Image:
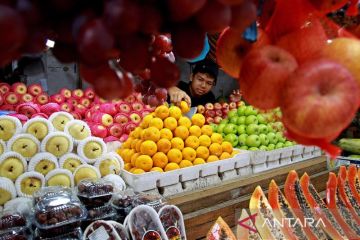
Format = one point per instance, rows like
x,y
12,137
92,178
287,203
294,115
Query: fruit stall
x,y
263,129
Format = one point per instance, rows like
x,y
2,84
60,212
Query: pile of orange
x,y
166,140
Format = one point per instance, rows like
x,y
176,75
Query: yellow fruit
x,y
192,141
198,161
215,149
144,162
175,112
202,152
166,133
127,157
170,123
171,166
225,155
160,160
146,120
138,145
119,151
178,143
163,145
138,171
181,132
184,121
132,169
205,140
234,152
212,158
216,138
122,152
136,133
184,107
148,147
156,122
174,155
156,169
226,147
185,163
127,166
133,143
151,133
127,143
198,119
189,153
195,131
162,112
206,130
134,157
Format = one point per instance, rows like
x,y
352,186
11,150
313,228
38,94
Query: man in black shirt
x,y
198,91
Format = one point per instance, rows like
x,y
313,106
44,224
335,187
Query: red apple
x,y
144,113
66,107
210,120
115,130
137,106
28,109
129,127
77,94
57,98
218,112
76,115
89,93
124,107
121,118
225,106
65,92
19,88
217,106
153,101
4,88
11,98
232,105
239,104
50,108
200,109
217,119
1,99
26,98
130,99
23,119
210,113
225,112
108,108
209,106
110,139
73,101
319,100
124,137
98,130
135,118
42,98
81,109
35,89
103,118
264,72
42,115
7,107
85,101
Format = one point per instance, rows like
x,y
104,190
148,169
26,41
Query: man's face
x,y
201,83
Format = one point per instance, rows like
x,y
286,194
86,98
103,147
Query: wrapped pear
x,y
43,163
60,177
7,190
38,127
110,163
25,144
12,165
9,127
57,143
78,130
60,119
28,183
85,171
71,161
91,149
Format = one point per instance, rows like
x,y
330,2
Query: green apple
x,y
221,127
242,139
232,113
249,111
264,139
272,138
214,127
280,137
261,119
232,138
233,120
288,144
241,129
279,145
241,111
251,119
252,129
244,147
270,129
271,146
253,141
230,128
224,121
241,120
253,149
264,148
263,128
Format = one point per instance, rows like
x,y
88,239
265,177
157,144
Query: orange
x,y
138,145
144,162
185,163
156,122
234,152
146,120
156,169
226,147
133,158
174,155
127,157
122,152
202,152
216,138
192,142
136,133
206,130
184,121
162,112
160,160
170,123
204,140
195,131
151,133
189,153
166,133
212,158
133,144
163,145
178,143
225,155
127,166
184,107
171,166
175,112
127,143
138,171
148,147
181,132
198,161
215,149
198,119
132,169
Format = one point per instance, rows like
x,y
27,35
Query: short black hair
x,y
206,66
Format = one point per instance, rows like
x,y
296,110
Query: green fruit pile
x,y
248,128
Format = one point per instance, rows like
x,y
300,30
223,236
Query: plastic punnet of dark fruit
x,y
122,202
70,235
49,192
94,192
120,229
144,224
100,230
12,220
173,222
106,212
156,201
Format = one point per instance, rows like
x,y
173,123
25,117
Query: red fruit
x,y
57,98
65,92
124,137
42,115
72,101
7,107
98,130
76,115
218,112
124,107
161,93
50,108
225,105
232,105
130,99
77,94
42,98
66,107
326,6
1,100
210,113
264,73
21,117
121,118
19,88
243,15
217,119
152,101
210,120
135,118
11,98
129,127
185,34
164,73
26,98
103,118
182,10
217,106
209,106
115,130
28,109
89,93
85,102
4,88
144,113
225,111
200,109
162,44
110,139
80,109
108,108
137,106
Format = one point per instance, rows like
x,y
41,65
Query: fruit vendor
x,y
198,91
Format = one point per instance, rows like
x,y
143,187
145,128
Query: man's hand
x,y
177,95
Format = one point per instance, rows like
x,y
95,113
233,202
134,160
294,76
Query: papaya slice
x,y
245,228
297,202
220,230
282,211
345,191
354,183
264,216
320,210
338,208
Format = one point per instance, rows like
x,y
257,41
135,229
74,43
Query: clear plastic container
x,y
120,229
95,192
73,234
122,203
22,233
49,192
12,220
173,222
153,200
144,224
106,212
101,230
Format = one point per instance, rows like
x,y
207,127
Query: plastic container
x,y
173,222
156,201
144,224
94,192
11,221
50,192
23,233
74,234
106,212
100,230
122,203
120,229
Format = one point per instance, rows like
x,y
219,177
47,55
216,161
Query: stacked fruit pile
x,y
166,140
246,128
51,152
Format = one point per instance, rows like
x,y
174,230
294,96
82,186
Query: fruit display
x,y
173,222
101,227
166,140
14,225
350,145
94,193
220,230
